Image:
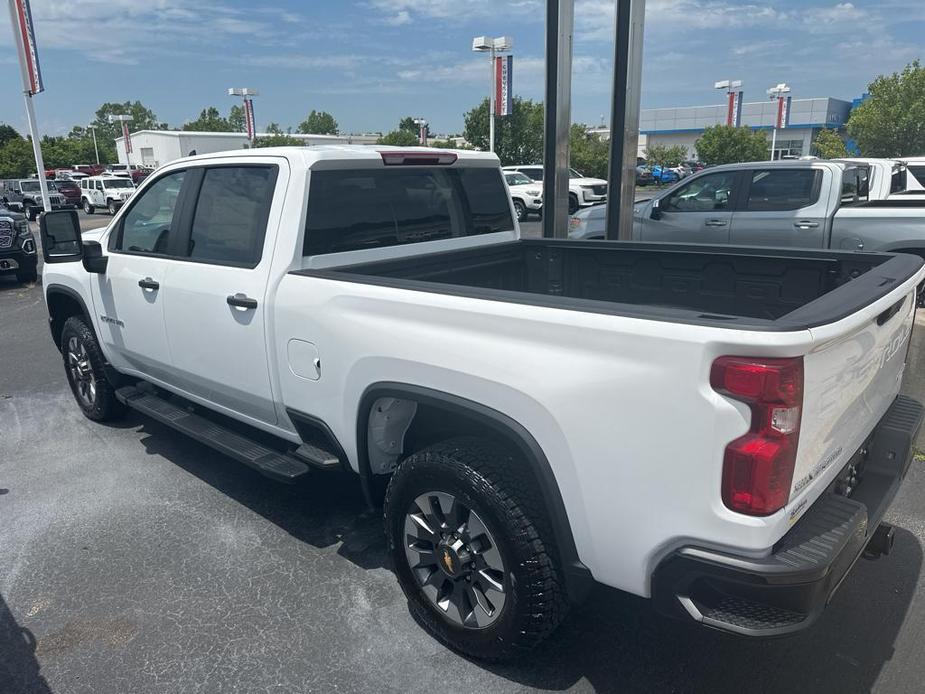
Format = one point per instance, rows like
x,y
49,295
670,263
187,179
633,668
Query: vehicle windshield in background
x,y
517,179
118,183
30,186
371,208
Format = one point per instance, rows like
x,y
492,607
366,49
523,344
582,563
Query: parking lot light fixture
x,y
124,119
492,46
95,147
777,92
250,122
422,130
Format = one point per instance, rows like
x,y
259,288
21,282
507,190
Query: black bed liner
x,y
743,288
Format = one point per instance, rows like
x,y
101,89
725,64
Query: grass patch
x,y
920,456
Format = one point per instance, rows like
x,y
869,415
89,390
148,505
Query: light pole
x,y
422,130
95,147
492,46
124,119
730,87
777,93
249,120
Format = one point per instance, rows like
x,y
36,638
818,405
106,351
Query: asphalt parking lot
x,y
135,560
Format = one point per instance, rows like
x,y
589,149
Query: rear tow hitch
x,y
881,543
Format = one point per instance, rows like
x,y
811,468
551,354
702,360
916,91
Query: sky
x,y
370,62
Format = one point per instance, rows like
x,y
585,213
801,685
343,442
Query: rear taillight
x,y
435,158
758,467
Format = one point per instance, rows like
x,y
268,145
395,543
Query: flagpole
x,y
27,93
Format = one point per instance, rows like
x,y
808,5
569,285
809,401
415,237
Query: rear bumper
x,y
788,590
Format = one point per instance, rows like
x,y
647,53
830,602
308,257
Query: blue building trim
x,y
813,126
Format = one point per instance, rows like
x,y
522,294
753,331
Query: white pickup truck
x,y
717,428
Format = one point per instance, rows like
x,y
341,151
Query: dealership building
x,y
684,125
158,147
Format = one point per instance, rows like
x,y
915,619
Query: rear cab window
x,y
855,186
356,209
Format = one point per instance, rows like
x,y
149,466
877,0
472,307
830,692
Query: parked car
x,y
69,189
583,191
25,195
89,169
526,195
644,176
717,429
663,174
133,171
105,192
17,247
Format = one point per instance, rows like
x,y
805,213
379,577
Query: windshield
x,y
575,174
517,179
118,183
30,186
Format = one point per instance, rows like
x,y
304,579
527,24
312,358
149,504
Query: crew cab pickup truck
x,y
718,429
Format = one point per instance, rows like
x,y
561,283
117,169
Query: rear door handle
x,y
242,301
148,283
805,224
715,223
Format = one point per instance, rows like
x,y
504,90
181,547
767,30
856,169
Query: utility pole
x,y
95,147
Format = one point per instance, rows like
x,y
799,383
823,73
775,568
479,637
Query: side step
x,y
317,457
275,465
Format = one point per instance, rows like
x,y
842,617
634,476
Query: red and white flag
x,y
29,55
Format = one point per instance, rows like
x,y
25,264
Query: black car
x,y
17,246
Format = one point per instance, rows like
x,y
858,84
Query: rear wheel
x,y
84,366
520,210
31,213
88,208
470,547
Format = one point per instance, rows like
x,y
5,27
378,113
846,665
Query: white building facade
x,y
158,147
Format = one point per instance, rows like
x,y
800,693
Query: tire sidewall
x,y
520,210
104,405
446,476
573,205
88,208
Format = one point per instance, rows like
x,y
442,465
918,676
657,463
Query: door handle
x,y
241,301
715,223
805,224
148,283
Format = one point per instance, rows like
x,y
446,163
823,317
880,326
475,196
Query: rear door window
x,y
783,189
357,209
230,222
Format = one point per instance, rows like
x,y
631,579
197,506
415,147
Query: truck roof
x,y
311,154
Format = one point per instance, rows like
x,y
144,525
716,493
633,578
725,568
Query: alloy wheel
x,y
81,372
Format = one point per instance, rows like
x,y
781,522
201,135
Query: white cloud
x,y
399,18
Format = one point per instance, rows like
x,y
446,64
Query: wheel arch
x,y
578,579
63,303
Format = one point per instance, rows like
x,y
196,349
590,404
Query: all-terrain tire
x,y
485,477
78,340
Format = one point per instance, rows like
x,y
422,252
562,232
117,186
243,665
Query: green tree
x,y
236,119
143,118
87,152
16,158
724,144
318,123
7,133
588,153
891,122
829,145
666,155
209,121
518,137
400,138
407,123
277,137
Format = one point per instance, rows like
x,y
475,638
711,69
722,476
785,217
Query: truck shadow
x,y
19,668
617,643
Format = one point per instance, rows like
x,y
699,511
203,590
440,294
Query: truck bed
x,y
746,288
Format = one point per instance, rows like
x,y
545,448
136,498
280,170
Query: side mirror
x,y
93,259
60,233
656,212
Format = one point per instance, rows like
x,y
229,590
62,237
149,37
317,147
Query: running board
x,y
317,457
273,464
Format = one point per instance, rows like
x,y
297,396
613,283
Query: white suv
x,y
526,194
582,191
109,192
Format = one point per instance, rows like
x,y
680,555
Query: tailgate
x,y
852,376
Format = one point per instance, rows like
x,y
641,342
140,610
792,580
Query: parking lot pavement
x,y
135,560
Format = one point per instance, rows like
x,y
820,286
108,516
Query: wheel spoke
x,y
482,609
458,516
422,526
491,581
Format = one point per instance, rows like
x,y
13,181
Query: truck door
x,y
216,307
129,298
782,207
700,211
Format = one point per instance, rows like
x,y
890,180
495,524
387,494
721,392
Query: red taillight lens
x,y
435,158
758,467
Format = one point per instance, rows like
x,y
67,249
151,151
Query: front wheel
x,y
520,210
572,204
84,366
112,208
88,208
470,546
32,213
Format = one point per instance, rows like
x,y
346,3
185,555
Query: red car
x,y
70,190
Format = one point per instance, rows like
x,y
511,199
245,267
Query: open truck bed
x,y
746,288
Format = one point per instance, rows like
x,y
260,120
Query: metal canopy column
x,y
624,117
558,105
